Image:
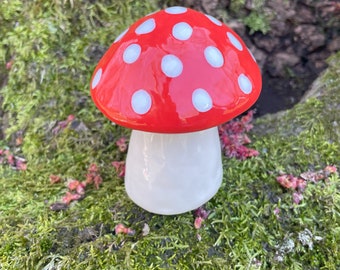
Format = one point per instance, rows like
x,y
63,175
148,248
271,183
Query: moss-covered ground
x,y
47,54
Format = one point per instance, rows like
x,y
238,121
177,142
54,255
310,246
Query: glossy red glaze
x,y
167,103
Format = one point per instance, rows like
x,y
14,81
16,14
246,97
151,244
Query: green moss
x,y
54,48
257,19
236,6
257,22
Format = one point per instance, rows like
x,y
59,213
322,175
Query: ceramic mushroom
x,y
173,77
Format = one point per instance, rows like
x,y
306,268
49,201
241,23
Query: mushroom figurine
x,y
173,77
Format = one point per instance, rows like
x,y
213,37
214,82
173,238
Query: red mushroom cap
x,y
175,71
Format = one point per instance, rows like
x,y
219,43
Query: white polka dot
x,y
141,102
120,36
146,27
244,84
96,78
171,65
131,53
214,56
201,100
214,20
252,56
182,31
175,10
237,44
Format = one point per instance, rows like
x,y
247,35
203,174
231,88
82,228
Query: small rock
x,y
305,15
279,61
266,42
238,27
282,13
259,55
279,28
316,60
209,5
334,44
310,36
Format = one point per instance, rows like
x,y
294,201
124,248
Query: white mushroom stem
x,y
173,173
